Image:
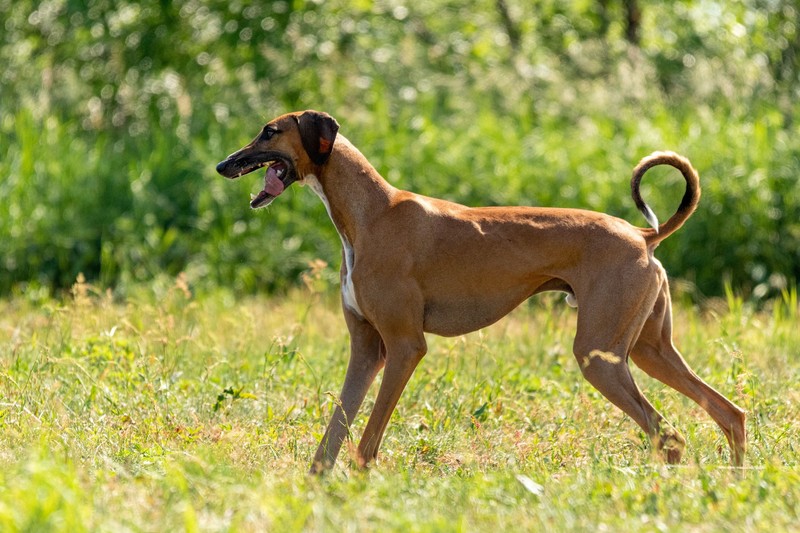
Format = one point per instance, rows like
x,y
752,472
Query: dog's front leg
x,y
366,359
402,357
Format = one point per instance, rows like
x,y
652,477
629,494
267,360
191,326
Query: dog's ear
x,y
318,132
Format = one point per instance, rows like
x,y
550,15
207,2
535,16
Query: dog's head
x,y
291,147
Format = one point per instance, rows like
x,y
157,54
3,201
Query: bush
x,y
115,114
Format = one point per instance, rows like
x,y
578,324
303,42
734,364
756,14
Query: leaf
x,y
480,412
530,485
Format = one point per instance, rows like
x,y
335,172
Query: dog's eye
x,y
268,132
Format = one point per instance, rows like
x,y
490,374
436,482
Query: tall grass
x,y
115,115
167,411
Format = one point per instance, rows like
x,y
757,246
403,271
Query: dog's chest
x,y
348,288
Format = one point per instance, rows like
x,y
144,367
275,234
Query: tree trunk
x,y
633,20
511,29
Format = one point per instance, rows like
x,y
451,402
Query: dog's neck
x,y
354,192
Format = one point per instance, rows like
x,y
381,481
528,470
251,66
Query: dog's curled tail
x,y
688,204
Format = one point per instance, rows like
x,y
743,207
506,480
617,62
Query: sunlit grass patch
x,y
163,410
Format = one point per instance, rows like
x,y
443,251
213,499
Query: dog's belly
x,y
463,315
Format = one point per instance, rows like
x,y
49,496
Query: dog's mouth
x,y
276,180
280,174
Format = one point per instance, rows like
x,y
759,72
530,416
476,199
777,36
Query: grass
x,y
166,411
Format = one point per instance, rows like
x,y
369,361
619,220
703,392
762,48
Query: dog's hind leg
x,y
608,372
603,341
655,353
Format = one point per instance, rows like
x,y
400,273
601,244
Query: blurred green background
x,y
114,114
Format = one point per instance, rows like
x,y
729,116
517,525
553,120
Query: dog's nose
x,y
221,167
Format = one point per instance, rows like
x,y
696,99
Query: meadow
x,y
169,358
166,411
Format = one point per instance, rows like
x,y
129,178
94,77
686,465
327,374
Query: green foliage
x,y
163,411
114,114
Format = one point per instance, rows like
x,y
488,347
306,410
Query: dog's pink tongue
x,y
272,184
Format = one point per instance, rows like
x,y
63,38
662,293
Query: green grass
x,y
165,412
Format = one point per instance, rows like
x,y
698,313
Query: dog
x,y
412,264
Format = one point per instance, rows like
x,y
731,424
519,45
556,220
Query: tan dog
x,y
413,264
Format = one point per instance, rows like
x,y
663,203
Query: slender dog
x,y
413,264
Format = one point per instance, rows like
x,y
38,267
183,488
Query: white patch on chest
x,y
348,288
